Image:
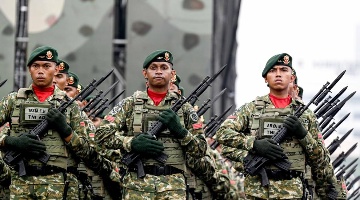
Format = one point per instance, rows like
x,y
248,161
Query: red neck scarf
x,y
280,102
43,93
156,97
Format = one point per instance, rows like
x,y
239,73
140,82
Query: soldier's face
x,y
279,78
42,73
159,74
61,80
71,91
174,88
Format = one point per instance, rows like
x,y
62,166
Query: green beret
x,y
176,80
73,81
280,59
158,56
43,53
63,67
301,91
296,79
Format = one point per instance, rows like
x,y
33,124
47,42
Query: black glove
x,y
268,148
147,145
57,121
25,143
170,119
294,127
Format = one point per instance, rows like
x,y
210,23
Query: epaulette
x,y
23,93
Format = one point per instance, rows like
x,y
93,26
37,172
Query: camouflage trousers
x,y
43,187
154,187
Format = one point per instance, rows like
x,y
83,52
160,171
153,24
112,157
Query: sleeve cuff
x,y
306,140
127,143
186,140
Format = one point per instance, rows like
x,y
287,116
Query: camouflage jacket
x,y
80,124
235,133
113,131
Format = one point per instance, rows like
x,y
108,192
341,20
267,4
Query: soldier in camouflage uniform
x,y
91,184
61,77
125,127
255,123
73,87
65,142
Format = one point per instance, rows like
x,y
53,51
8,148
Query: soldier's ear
x,y
144,72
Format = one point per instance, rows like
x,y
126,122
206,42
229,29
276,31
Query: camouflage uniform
x,y
242,131
134,115
48,181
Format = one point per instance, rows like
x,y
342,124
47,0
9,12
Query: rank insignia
x,y
173,79
71,80
286,60
79,88
167,56
61,66
49,55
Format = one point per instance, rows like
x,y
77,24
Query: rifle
x,y
342,170
351,184
133,158
206,105
327,127
343,156
211,127
336,142
330,103
3,82
254,164
352,170
16,158
322,105
328,116
328,88
96,100
104,105
218,122
356,191
331,130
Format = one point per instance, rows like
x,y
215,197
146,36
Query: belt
x,y
278,175
43,170
158,170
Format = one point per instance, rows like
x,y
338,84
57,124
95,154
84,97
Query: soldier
x,y
256,122
205,181
125,127
65,142
73,87
61,76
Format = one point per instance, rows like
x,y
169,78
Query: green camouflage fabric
x,y
43,187
223,167
208,171
5,172
115,132
79,144
235,133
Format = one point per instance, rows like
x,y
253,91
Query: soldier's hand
x,y
170,119
295,127
147,145
25,143
57,121
268,148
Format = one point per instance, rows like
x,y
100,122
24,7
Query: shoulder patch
x,y
197,126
